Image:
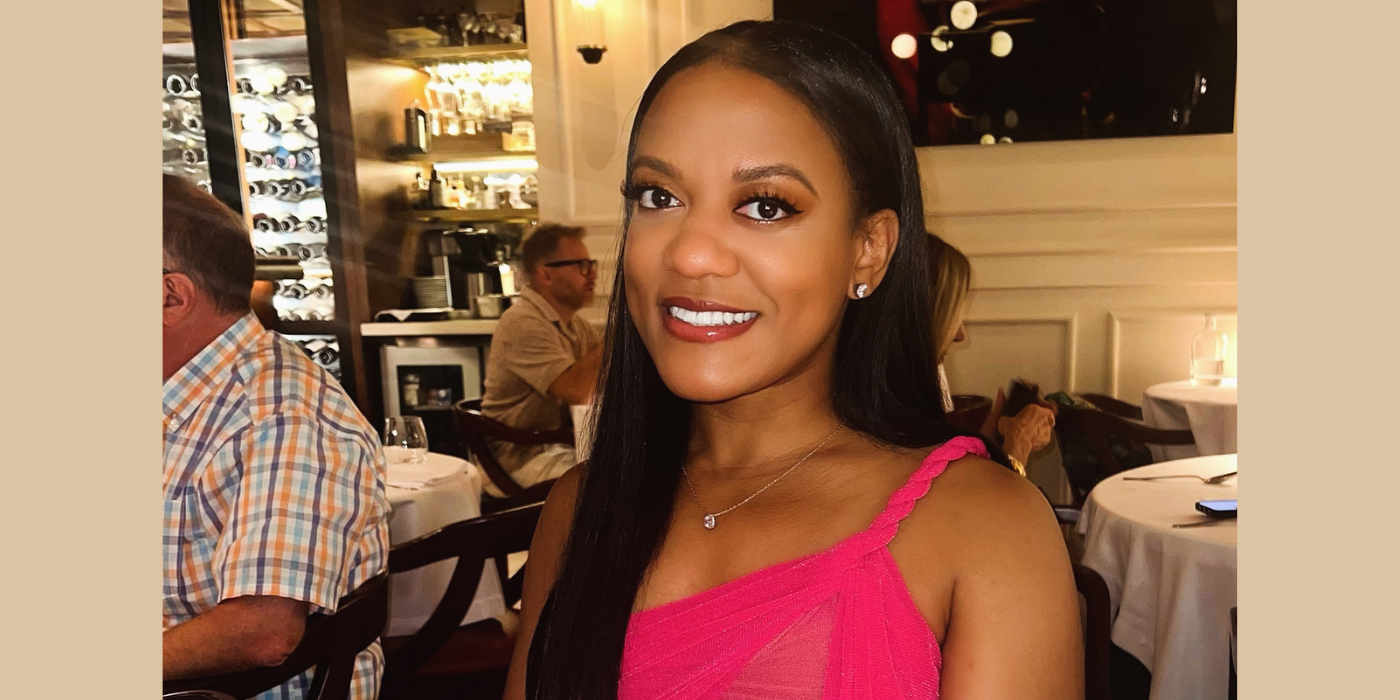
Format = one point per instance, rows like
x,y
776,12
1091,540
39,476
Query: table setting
x,y
1170,569
428,491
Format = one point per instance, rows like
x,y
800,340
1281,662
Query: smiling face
x,y
742,251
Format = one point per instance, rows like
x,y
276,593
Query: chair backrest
x,y
197,695
1101,429
329,644
969,411
1097,628
1108,404
477,429
471,543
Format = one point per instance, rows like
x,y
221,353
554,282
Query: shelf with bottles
x,y
446,35
183,148
439,216
324,350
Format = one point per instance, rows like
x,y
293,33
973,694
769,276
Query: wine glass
x,y
405,440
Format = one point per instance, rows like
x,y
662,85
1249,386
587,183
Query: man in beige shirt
x,y
544,358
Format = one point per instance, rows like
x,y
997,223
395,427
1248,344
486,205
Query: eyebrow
x,y
763,172
656,164
750,174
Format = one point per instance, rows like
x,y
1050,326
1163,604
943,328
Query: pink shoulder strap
x,y
886,524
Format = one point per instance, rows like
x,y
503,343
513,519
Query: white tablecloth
x,y
417,511
1211,412
1171,589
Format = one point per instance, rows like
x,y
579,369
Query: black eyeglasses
x,y
585,266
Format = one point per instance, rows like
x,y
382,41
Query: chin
x,y
708,376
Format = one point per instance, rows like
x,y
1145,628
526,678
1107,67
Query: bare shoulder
x,y
980,520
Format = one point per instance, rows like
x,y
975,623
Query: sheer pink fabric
x,y
836,624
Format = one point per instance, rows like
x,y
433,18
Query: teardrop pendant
x,y
709,521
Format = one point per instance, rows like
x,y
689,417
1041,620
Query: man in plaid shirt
x,y
274,483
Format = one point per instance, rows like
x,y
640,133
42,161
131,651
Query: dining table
x,y
1171,588
423,498
1210,412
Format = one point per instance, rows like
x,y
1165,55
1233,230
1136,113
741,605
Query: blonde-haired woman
x,y
951,273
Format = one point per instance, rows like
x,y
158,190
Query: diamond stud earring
x,y
860,290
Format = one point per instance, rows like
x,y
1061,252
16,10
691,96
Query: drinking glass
x,y
405,439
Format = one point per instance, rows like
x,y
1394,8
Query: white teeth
x,y
710,318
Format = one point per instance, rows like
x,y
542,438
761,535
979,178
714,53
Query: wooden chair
x,y
330,645
1097,625
1108,404
443,657
1234,643
476,429
1101,428
969,412
197,695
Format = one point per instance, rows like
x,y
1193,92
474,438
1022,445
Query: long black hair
x,y
884,386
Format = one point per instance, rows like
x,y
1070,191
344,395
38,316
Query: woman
x,y
769,358
1019,435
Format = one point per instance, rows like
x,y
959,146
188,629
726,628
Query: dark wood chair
x,y
477,429
444,657
330,645
1108,404
969,412
1097,625
1101,429
197,695
1234,642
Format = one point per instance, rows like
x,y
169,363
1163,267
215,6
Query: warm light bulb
x,y
1001,44
904,45
963,14
937,41
988,139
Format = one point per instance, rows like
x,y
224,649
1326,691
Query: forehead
x,y
571,247
713,118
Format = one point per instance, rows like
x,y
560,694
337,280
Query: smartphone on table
x,y
1220,509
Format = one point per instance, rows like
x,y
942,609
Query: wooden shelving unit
x,y
418,58
434,216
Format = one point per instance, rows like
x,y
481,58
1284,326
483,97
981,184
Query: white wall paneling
x,y
1150,348
1040,349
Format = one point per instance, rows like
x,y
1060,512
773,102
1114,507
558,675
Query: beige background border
x,y
1318,155
82,561
1318,246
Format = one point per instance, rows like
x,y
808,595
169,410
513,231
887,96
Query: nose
x,y
699,249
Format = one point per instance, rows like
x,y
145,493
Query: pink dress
x,y
836,624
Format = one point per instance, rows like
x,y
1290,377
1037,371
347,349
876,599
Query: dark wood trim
x,y
326,53
214,62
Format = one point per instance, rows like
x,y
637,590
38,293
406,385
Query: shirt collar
x,y
546,309
188,386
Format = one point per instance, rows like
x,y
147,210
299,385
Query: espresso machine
x,y
477,265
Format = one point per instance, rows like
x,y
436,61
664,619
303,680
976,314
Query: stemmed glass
x,y
405,440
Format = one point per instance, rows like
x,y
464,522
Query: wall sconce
x,y
588,28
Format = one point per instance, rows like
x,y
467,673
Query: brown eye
x,y
765,210
656,198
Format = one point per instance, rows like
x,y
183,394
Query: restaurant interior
x,y
390,158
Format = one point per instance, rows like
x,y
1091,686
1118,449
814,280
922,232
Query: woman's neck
x,y
745,436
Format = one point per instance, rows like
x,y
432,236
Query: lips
x,y
702,321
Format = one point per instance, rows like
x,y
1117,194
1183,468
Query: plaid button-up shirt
x,y
274,486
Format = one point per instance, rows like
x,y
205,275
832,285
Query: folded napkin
x,y
433,471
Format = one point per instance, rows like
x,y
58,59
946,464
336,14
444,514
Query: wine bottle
x,y
327,356
288,223
440,26
285,160
257,188
194,156
324,290
295,290
308,159
265,223
316,224
301,83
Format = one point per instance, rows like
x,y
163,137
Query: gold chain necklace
x,y
711,517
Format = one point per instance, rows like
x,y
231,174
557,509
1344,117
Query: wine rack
x,y
183,147
324,350
275,108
